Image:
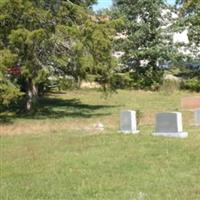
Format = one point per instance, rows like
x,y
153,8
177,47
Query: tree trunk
x,y
32,95
78,82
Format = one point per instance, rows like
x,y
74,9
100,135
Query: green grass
x,y
73,161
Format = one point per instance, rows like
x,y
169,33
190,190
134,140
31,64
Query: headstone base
x,y
178,134
129,132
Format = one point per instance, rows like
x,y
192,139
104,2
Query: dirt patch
x,y
90,85
56,126
89,126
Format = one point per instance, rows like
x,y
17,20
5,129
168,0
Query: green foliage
x,y
191,84
122,80
8,92
191,77
144,41
190,9
56,38
66,84
190,18
147,78
8,89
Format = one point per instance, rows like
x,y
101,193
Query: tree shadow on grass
x,y
54,108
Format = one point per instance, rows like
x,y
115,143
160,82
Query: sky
x,y
108,3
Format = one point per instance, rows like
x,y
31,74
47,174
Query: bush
x,y
66,83
191,84
149,78
121,81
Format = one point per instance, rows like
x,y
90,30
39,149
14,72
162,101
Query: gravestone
x,y
169,124
190,103
128,122
197,117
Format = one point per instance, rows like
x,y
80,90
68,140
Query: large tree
x,y
144,46
190,10
190,19
59,37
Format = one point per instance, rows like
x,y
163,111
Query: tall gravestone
x,y
128,122
169,124
197,117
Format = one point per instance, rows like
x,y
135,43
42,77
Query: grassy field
x,y
58,154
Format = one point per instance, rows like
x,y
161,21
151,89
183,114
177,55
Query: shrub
x,y
149,78
191,84
121,81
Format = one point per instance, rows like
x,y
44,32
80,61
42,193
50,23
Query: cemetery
x,y
99,100
63,154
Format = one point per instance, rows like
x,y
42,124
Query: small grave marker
x,y
128,122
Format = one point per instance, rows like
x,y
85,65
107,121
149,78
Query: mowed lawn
x,y
58,154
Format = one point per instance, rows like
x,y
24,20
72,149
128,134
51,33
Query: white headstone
x,y
197,117
170,124
128,122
